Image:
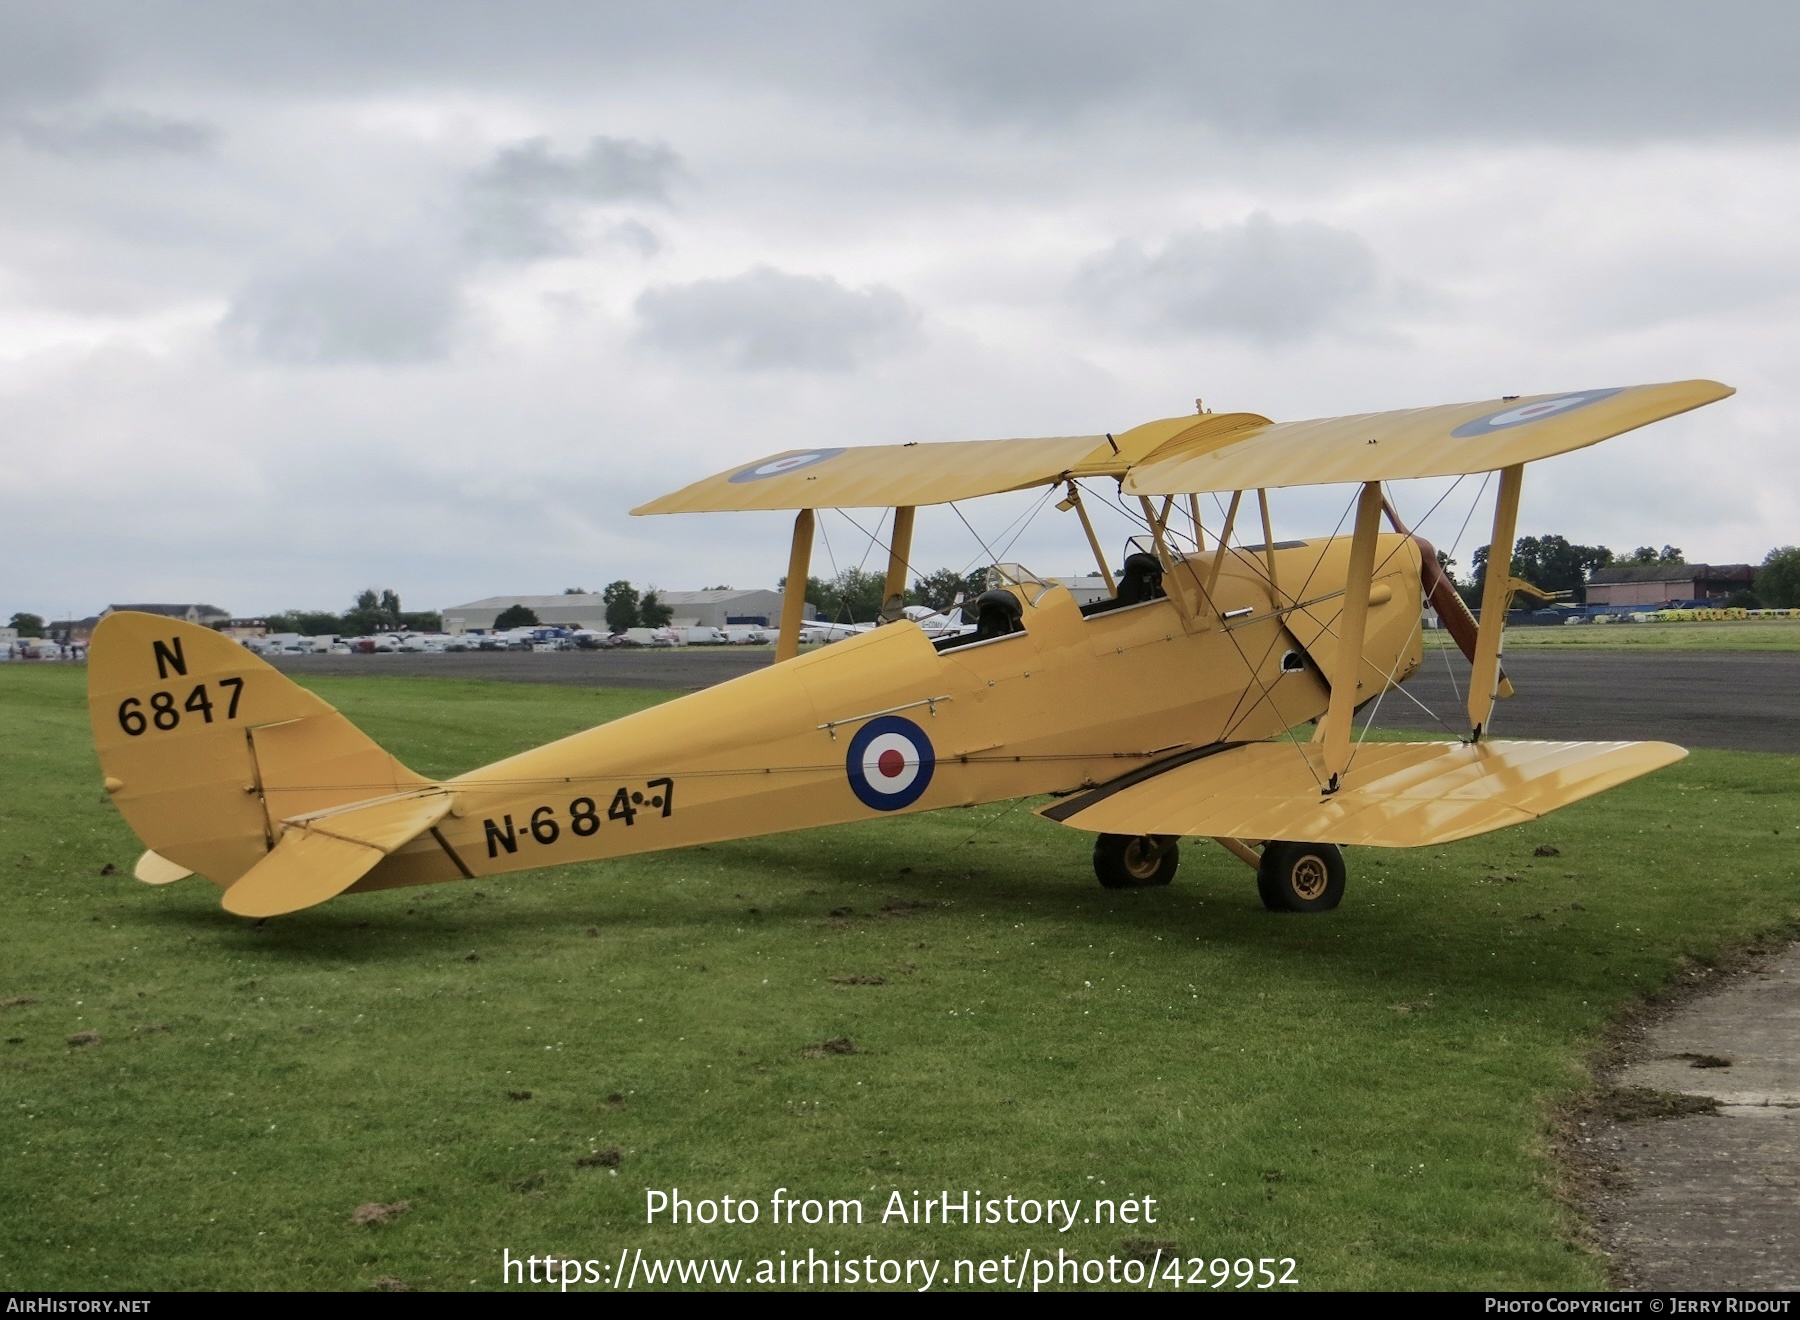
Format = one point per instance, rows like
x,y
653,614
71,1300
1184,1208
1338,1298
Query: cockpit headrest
x,y
997,613
1142,579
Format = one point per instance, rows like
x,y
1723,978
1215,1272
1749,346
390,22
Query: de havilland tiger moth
x,y
1210,694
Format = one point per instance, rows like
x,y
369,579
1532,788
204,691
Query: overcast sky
x,y
301,298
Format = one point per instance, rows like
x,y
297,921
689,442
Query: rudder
x,y
206,748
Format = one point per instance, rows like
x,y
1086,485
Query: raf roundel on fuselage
x,y
890,763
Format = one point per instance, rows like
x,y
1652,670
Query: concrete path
x,y
1738,700
1713,1201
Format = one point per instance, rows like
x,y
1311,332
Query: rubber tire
x,y
1283,862
1118,865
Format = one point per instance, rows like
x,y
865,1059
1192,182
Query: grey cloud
x,y
1660,289
1262,279
119,133
519,203
44,58
1361,69
609,170
1306,69
358,304
766,318
637,236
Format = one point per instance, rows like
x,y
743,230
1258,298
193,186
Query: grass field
x,y
1725,635
1366,1091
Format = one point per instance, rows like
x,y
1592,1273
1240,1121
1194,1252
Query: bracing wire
x,y
875,539
1030,518
985,549
1387,679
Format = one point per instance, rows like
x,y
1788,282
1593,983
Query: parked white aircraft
x,y
930,621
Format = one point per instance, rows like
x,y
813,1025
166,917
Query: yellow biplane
x,y
1173,707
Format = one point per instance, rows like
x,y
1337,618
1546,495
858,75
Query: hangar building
x,y
709,609
1656,585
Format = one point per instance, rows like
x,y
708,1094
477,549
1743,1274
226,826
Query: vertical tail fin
x,y
206,748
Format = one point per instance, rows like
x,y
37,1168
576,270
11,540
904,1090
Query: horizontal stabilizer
x,y
153,869
1394,795
321,856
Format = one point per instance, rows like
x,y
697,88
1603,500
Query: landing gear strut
x,y
1300,877
1136,861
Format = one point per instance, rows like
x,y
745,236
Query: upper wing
x,y
1416,442
1394,795
883,476
1212,452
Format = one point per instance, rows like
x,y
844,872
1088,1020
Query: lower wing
x,y
1394,795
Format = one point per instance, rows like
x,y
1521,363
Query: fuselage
x,y
885,723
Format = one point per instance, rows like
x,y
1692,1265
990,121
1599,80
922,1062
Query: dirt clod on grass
x,y
1147,1249
1706,1060
18,1001
388,1283
85,1038
473,957
1642,1104
617,1101
109,869
1546,850
600,1159
374,1212
518,1095
836,1045
593,932
857,980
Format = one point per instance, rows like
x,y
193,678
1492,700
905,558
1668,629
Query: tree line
x,y
373,612
854,595
625,609
1558,565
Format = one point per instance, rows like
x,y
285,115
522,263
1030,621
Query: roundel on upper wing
x,y
889,763
1521,414
776,467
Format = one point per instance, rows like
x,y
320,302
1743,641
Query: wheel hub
x,y
1142,857
1309,877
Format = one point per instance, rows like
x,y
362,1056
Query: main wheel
x,y
1300,877
1136,861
